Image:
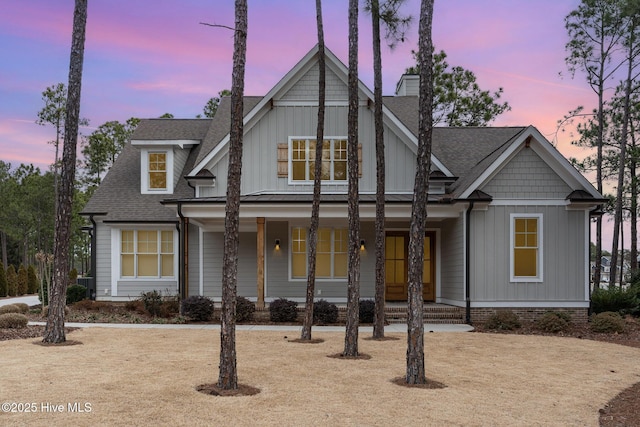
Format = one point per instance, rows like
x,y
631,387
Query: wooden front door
x,y
396,266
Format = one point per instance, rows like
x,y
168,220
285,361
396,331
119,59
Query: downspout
x,y
181,227
467,255
93,293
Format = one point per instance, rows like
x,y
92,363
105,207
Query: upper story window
x,y
303,158
157,171
526,248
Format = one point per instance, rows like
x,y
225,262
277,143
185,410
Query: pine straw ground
x,y
141,377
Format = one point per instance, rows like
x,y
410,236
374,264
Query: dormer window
x,y
157,171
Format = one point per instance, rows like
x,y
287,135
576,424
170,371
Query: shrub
x,y
244,309
503,320
607,322
135,305
152,302
13,321
12,281
366,310
10,308
283,310
614,299
553,322
73,276
170,306
24,308
32,280
76,293
198,308
3,281
325,312
23,281
90,305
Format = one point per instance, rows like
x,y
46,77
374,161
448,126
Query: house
x,y
508,224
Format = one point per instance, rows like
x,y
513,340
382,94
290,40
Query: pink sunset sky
x,y
145,58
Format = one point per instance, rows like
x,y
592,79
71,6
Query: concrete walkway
x,y
28,299
393,327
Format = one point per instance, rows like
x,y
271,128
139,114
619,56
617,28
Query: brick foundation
x,y
480,315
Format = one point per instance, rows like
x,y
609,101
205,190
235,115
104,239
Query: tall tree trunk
x,y
317,183
415,325
634,200
378,317
54,330
617,223
228,376
353,285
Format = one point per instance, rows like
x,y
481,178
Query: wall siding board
x,y
103,260
516,178
247,265
193,287
180,156
451,261
563,266
212,264
281,122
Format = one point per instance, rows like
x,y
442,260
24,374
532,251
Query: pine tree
x,y
32,280
3,281
54,330
12,281
23,281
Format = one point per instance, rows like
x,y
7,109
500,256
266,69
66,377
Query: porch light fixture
x,y
362,245
277,246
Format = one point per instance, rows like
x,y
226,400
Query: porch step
x,y
432,313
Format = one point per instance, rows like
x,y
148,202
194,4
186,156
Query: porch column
x,y
260,266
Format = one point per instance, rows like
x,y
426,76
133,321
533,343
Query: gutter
x,y
467,255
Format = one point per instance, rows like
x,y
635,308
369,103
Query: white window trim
x,y
310,181
540,267
144,170
116,248
290,256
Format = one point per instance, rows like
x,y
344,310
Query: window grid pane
x,y
525,250
331,255
158,171
147,253
298,252
334,159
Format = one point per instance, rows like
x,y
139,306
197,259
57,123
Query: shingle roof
x,y
465,151
119,193
221,122
171,129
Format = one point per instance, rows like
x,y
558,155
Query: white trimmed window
x,y
147,253
331,253
526,248
303,156
157,171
